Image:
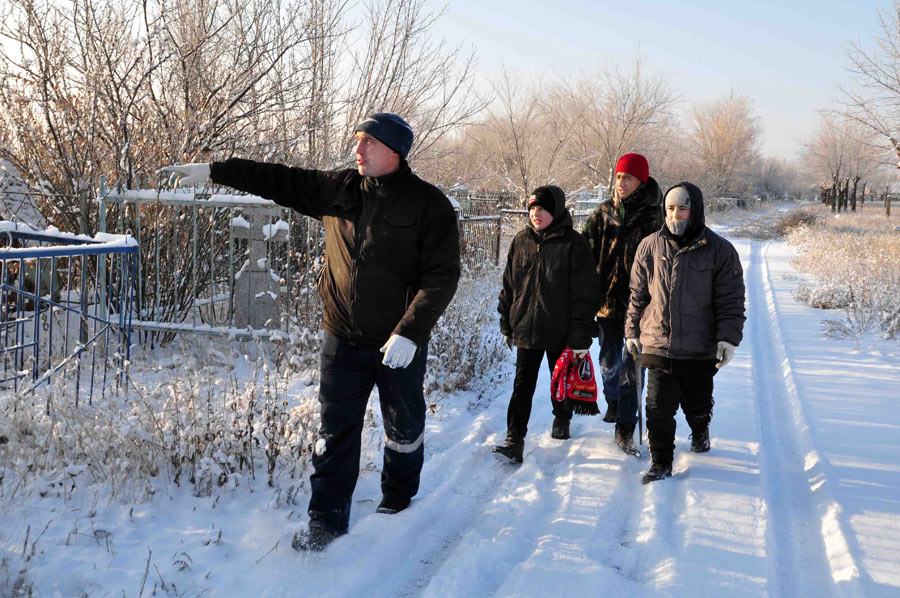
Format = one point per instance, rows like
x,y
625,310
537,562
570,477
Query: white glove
x,y
633,346
724,353
580,353
398,351
187,175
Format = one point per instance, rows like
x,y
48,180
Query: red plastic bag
x,y
574,379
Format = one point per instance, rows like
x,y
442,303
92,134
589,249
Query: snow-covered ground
x,y
800,496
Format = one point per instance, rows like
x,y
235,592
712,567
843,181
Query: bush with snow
x,y
854,263
216,417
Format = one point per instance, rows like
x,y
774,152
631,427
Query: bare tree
x,y
724,138
842,149
525,138
875,100
626,109
403,70
116,88
774,177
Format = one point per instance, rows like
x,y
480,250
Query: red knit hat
x,y
634,164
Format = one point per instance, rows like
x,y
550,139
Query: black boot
x,y
612,409
560,429
512,451
700,440
391,505
625,440
315,539
658,471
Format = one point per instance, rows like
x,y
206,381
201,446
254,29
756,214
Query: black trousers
x,y
348,374
689,384
528,365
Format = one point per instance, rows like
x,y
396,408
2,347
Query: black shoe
x,y
315,539
625,440
612,410
657,472
560,429
512,451
391,506
700,441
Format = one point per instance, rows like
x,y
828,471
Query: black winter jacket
x,y
614,231
686,293
549,291
392,244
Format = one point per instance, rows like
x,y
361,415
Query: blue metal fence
x,y
65,310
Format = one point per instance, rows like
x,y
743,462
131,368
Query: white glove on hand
x,y
724,353
580,353
633,346
398,351
187,175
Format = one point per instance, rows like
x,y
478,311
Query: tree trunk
x,y
834,194
853,196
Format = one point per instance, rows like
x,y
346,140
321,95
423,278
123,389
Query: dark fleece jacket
x,y
549,294
614,231
392,244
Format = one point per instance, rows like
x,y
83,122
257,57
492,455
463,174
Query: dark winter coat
x,y
614,231
549,294
686,293
392,244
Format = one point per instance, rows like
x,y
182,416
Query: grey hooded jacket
x,y
687,292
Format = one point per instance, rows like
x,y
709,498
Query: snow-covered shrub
x,y
854,261
217,415
466,343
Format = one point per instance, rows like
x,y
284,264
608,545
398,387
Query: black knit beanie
x,y
389,129
547,197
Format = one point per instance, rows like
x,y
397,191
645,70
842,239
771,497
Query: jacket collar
x,y
387,180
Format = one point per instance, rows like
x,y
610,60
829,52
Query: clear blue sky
x,y
786,56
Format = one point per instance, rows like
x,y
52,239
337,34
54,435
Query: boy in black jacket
x,y
547,303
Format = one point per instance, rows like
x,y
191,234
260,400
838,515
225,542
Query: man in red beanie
x,y
614,231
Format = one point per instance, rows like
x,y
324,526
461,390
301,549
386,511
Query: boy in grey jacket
x,y
685,317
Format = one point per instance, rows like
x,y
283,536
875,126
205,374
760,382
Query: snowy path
x,y
798,497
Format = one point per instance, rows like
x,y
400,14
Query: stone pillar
x,y
257,287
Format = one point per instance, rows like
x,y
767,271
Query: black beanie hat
x,y
389,129
547,197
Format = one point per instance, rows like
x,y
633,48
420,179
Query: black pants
x,y
348,374
528,365
688,383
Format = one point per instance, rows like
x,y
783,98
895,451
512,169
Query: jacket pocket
x,y
700,281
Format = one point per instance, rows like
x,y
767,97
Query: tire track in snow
x,y
808,550
659,532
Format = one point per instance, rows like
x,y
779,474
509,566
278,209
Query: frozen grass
x,y
854,263
216,414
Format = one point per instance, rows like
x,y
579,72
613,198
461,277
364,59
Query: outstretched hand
x,y
187,175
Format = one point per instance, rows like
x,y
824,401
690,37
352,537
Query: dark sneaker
x,y
314,539
700,441
612,410
560,429
512,451
657,472
625,440
391,506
